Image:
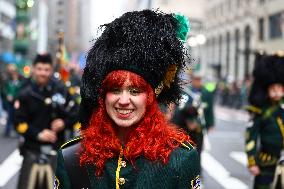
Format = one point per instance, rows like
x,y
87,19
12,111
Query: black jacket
x,y
37,107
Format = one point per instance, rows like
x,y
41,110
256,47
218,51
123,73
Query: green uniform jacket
x,y
207,97
182,171
267,127
188,110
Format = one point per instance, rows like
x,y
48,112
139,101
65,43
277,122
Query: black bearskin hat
x,y
144,42
269,69
43,58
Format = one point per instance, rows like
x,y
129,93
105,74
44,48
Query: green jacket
x,y
265,135
193,100
12,88
208,93
182,171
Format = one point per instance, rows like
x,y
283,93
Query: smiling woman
x,y
126,141
126,97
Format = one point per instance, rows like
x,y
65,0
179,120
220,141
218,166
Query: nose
x,y
124,98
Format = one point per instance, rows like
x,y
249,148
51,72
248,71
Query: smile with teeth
x,y
124,111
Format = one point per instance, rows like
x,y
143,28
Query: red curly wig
x,y
153,137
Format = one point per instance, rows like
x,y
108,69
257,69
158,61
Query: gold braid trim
x,y
254,109
251,161
186,144
267,159
70,141
281,126
193,184
58,183
118,169
264,157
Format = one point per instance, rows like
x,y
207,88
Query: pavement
x,y
226,113
223,160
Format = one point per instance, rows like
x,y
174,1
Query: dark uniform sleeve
x,y
71,108
22,117
252,132
187,167
61,179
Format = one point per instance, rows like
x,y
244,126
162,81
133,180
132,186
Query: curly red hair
x,y
153,137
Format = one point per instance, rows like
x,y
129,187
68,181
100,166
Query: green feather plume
x,y
183,27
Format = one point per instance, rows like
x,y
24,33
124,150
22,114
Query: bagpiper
x,y
265,133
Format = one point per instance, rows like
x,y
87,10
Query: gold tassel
x,y
170,75
169,78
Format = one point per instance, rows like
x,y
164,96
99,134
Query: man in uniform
x,y
43,110
195,111
265,133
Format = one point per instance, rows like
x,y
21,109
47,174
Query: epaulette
x,y
269,111
187,145
71,142
253,109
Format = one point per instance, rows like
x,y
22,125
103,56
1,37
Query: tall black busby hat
x,y
148,43
268,70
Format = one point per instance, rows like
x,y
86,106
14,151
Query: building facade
x,y
7,18
270,20
72,17
235,30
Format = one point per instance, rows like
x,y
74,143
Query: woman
x,y
126,141
266,99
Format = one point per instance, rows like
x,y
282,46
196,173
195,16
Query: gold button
x,y
121,181
123,163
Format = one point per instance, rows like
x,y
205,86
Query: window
x,y
228,42
275,21
238,3
60,2
237,40
213,48
59,22
261,29
220,48
229,5
247,49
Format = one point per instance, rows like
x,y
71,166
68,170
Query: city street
x,y
229,49
223,159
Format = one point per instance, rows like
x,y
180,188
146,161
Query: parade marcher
x,y
11,90
265,133
195,111
126,140
74,89
43,110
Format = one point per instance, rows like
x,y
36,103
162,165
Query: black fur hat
x,y
43,58
269,69
144,42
